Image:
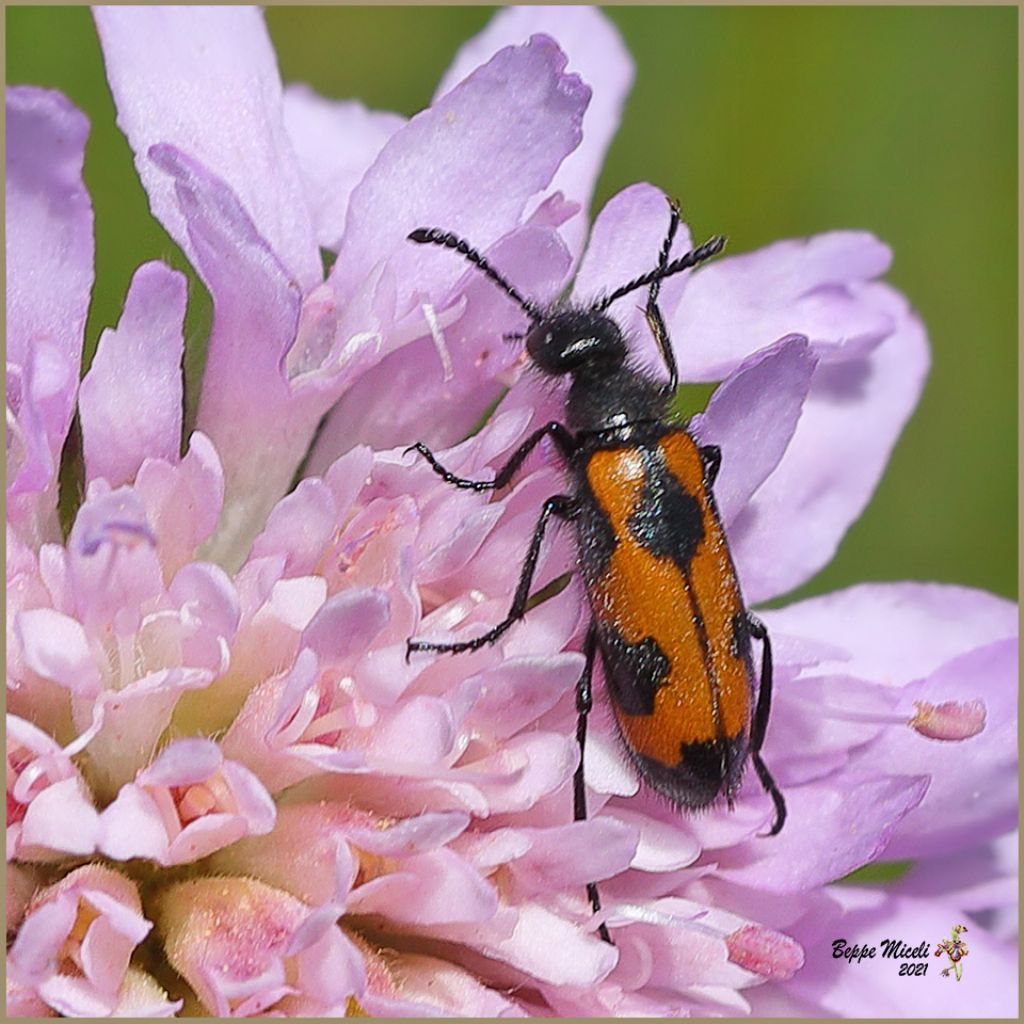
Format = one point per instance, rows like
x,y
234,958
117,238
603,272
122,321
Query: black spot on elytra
x,y
633,672
667,521
705,771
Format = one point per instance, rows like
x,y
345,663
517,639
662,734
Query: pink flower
x,y
73,946
210,670
188,803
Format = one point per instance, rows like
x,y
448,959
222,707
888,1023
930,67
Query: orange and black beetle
x,y
668,616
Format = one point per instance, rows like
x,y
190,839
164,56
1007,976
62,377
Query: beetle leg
x,y
562,506
764,706
711,456
561,436
584,701
655,320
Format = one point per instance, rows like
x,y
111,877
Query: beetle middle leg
x,y
560,505
759,631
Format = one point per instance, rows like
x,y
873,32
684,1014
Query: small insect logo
x,y
956,949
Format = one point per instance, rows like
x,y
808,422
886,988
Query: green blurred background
x,y
767,123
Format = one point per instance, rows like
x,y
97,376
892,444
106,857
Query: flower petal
x,y
183,501
205,80
299,527
49,281
856,408
596,52
428,889
969,800
813,286
245,404
752,418
335,143
829,833
466,164
61,818
130,400
897,632
56,647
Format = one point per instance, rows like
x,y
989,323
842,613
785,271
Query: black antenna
x,y
710,248
435,236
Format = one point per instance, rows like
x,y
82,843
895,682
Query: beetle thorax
x,y
614,401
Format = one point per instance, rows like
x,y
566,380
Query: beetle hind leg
x,y
764,705
584,702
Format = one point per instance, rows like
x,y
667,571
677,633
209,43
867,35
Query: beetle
x,y
667,614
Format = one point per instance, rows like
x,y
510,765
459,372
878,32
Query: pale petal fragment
x,y
49,230
855,411
130,400
596,52
335,142
205,80
464,164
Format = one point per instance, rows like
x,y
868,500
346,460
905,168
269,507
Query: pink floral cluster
x,y
228,790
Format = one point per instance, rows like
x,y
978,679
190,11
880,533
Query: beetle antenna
x,y
435,236
710,248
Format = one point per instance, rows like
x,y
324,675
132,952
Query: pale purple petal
x,y
829,833
855,411
420,733
971,798
596,52
752,418
130,400
183,501
209,607
113,565
544,945
49,280
331,970
897,632
56,647
467,164
335,143
183,763
428,888
61,818
662,845
205,80
738,304
299,527
518,691
411,835
346,624
244,406
132,826
570,856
